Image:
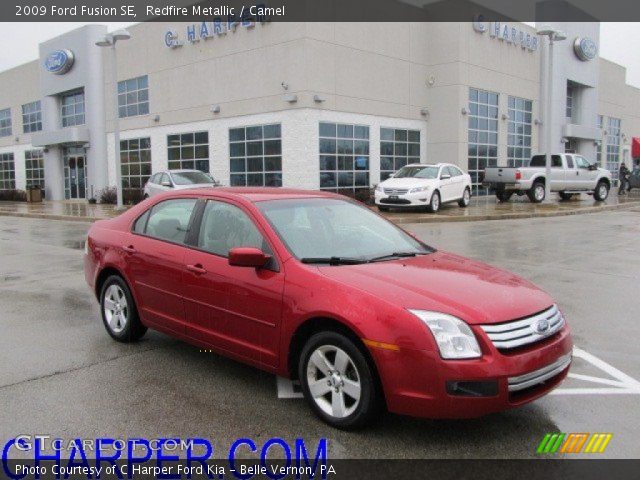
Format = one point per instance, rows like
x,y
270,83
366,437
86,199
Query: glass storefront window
x,y
189,151
344,158
519,132
34,168
7,172
398,147
255,156
613,147
482,135
135,164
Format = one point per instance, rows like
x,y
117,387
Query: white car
x,y
419,185
177,180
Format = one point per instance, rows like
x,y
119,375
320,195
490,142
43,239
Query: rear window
x,y
541,161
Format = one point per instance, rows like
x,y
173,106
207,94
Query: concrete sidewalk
x,y
485,208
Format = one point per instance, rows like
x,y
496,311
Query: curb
x,y
398,220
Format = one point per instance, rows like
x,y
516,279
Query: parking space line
x,y
620,384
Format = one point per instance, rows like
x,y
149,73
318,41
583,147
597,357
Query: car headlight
x,y
454,337
418,189
379,188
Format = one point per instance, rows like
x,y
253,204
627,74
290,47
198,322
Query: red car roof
x,y
258,194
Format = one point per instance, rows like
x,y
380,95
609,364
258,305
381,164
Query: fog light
x,y
463,388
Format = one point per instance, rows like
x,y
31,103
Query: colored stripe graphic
x,y
573,443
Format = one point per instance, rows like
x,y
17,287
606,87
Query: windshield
x,y
323,228
191,178
417,172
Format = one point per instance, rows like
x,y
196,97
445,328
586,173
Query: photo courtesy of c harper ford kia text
x,y
318,240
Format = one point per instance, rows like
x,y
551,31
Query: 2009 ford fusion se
x,y
316,287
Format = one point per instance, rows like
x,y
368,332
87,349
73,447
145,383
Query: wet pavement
x,y
481,208
62,374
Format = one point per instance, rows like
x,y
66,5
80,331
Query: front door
x,y
75,174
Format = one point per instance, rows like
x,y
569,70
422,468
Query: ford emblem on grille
x,y
543,326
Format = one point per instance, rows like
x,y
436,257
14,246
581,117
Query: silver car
x,y
170,180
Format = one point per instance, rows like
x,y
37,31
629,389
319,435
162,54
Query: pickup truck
x,y
570,174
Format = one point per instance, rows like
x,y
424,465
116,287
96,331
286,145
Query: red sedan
x,y
316,287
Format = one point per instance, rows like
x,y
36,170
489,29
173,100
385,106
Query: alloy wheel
x,y
603,191
116,310
334,381
539,193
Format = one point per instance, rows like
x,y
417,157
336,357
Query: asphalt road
x,y
62,375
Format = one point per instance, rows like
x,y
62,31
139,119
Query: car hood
x,y
447,283
193,185
410,182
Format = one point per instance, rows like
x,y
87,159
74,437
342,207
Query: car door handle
x,y
197,269
129,249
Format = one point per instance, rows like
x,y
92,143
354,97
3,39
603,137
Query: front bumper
x,y
418,382
418,199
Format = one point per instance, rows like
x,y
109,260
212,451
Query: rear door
x,y
457,181
447,189
236,309
572,174
156,261
558,174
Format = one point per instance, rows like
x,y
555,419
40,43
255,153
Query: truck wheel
x,y
503,196
565,196
466,198
434,204
602,191
536,194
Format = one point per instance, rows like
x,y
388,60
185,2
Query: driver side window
x,y
226,226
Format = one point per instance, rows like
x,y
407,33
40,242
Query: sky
x,y
619,42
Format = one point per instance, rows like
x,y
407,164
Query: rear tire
x,y
537,192
383,209
434,203
602,191
466,198
119,311
503,196
338,382
565,196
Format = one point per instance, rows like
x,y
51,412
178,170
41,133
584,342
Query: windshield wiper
x,y
334,260
397,255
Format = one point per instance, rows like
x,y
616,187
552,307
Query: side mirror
x,y
166,184
445,176
593,166
248,257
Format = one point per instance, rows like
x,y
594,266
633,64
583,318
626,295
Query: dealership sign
x,y
585,48
59,62
507,33
218,27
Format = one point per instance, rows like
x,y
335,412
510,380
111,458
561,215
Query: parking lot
x,y
62,375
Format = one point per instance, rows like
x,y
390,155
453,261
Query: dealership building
x,y
335,106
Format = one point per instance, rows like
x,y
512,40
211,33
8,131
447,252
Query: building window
x,y
133,97
344,158
32,117
189,151
613,147
519,132
570,98
397,148
34,168
7,172
570,146
5,122
73,109
135,164
255,156
482,135
599,123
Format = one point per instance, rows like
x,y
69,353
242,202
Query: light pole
x,y
547,31
110,40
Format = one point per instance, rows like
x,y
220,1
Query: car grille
x,y
525,331
537,377
396,191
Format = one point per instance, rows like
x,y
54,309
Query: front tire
x,y
466,198
434,204
338,382
537,193
602,191
119,311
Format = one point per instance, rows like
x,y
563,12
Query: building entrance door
x,y
75,173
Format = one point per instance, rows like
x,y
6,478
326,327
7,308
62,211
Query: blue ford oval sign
x,y
59,62
585,48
